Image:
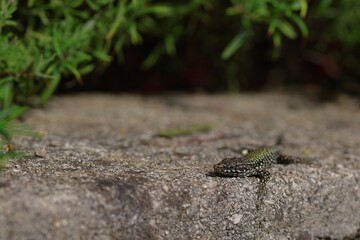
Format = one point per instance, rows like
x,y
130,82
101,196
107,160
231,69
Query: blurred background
x,y
155,47
159,46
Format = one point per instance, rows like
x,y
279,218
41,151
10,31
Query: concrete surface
x,y
103,172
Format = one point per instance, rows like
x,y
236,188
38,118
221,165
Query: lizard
x,y
253,163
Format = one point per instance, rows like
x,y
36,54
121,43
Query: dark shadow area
x,y
298,69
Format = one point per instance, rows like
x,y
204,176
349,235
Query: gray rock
x,y
102,171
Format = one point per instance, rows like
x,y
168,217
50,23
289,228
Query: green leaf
x,y
102,56
6,93
56,42
49,90
186,131
134,34
22,129
152,58
277,39
234,45
272,26
11,113
119,20
234,10
74,71
303,8
301,24
160,10
287,29
31,3
170,44
92,4
86,69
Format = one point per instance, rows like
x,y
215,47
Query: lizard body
x,y
252,163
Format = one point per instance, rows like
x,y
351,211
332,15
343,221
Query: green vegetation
x,y
45,42
169,133
9,128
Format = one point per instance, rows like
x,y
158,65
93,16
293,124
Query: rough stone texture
x,y
102,172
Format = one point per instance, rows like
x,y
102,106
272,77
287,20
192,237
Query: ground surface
x,y
102,171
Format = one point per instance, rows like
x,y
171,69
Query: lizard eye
x,y
245,151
